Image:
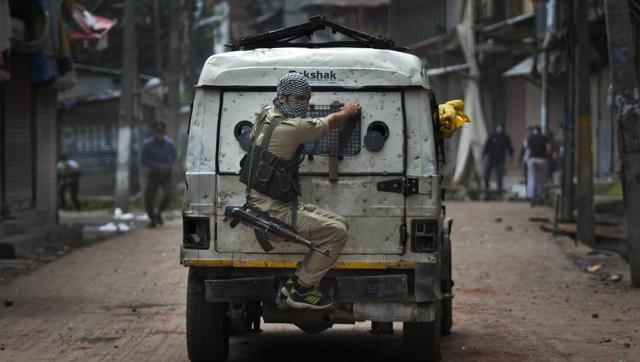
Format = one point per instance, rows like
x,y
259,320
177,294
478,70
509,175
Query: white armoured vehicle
x,y
381,173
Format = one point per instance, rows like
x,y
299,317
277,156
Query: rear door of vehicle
x,y
350,189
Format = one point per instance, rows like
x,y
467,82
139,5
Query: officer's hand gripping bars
x,y
239,214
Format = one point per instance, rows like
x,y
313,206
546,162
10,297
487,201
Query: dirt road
x,y
520,294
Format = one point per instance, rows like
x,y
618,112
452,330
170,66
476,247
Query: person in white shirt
x,y
68,179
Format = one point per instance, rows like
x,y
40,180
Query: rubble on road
x,y
111,227
595,267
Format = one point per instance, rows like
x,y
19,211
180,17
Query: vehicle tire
x,y
422,339
446,287
207,324
447,316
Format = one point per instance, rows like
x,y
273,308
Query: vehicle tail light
x,y
196,233
424,235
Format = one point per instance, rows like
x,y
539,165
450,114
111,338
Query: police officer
x,y
270,171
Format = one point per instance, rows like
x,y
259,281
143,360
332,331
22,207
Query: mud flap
x,y
427,282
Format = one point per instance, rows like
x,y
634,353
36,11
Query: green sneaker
x,y
311,298
286,288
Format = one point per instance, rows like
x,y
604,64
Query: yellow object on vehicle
x,y
452,117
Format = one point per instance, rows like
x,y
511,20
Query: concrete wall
x,y
46,188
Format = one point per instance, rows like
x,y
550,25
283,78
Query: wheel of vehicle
x,y
446,287
447,316
207,324
422,339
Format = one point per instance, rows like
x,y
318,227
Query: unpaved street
x,y
520,295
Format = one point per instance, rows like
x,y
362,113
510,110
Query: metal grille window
x,y
343,141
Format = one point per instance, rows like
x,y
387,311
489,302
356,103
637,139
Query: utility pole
x,y
583,120
568,158
157,47
157,37
127,106
626,112
173,69
549,35
189,44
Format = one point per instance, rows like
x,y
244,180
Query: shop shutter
x,y
18,135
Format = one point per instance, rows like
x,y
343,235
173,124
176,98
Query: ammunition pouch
x,y
269,174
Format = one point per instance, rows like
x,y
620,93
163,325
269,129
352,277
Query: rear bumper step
x,y
346,289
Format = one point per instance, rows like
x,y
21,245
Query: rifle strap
x,y
294,212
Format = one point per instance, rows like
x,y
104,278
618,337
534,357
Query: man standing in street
x,y
158,156
524,153
270,171
537,165
68,178
496,147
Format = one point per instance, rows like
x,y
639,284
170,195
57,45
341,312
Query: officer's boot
x,y
309,297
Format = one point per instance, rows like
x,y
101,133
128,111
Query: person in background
x,y
537,165
524,153
68,172
158,156
496,147
554,155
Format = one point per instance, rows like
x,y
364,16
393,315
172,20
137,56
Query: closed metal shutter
x,y
88,134
18,135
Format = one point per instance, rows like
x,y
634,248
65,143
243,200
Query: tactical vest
x,y
265,172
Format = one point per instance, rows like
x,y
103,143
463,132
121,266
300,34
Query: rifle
x,y
265,224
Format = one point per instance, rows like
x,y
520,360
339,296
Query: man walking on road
x,y
537,165
158,155
278,138
496,147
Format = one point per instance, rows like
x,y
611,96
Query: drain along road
x,y
520,294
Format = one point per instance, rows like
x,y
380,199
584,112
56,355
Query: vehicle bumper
x,y
358,298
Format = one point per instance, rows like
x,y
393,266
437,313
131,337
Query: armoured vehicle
x,y
382,173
